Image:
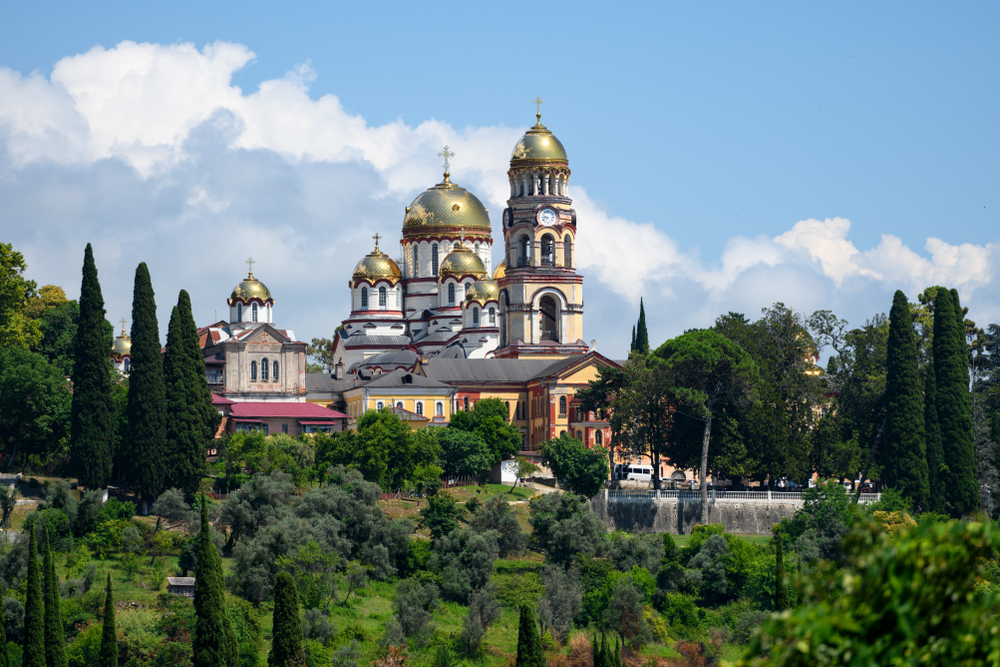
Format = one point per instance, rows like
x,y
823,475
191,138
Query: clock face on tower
x,y
547,216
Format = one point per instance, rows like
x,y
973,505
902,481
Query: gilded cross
x,y
376,237
538,102
446,155
250,263
122,320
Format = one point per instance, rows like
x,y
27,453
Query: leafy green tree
x,y
441,515
34,608
286,647
951,367
496,515
780,585
599,397
709,371
321,350
529,641
313,570
193,420
579,470
524,469
641,336
59,327
643,409
92,415
55,637
385,450
34,404
484,610
464,559
413,605
109,638
904,450
489,418
16,328
464,453
624,614
563,600
147,403
214,641
563,525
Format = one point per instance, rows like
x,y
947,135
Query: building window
x,y
399,404
434,259
254,312
562,406
381,297
284,429
264,368
253,371
475,316
420,408
600,437
125,364
416,261
451,292
466,403
522,251
548,250
579,436
507,405
239,312
364,297
493,316
274,374
266,429
568,252
517,411
439,409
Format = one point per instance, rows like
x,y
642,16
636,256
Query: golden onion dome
x,y
251,288
538,145
121,346
446,207
501,270
462,262
483,290
376,265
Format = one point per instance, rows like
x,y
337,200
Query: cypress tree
x,y
214,642
4,659
641,336
286,647
147,406
92,415
189,402
34,607
529,641
936,469
780,585
951,367
55,636
109,638
632,347
904,453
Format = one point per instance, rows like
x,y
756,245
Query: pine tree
x,y
641,336
951,366
92,416
286,647
34,607
189,402
936,469
55,636
214,642
780,584
904,453
147,406
109,638
529,641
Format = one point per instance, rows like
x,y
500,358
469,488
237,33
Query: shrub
x,y
563,600
515,589
85,650
413,605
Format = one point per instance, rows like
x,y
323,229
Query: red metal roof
x,y
277,409
221,400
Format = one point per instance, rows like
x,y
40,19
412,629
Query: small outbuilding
x,y
183,586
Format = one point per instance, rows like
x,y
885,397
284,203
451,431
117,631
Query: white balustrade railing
x,y
723,496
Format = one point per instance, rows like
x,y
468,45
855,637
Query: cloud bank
x,y
152,154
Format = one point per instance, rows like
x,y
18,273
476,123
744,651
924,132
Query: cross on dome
x,y
122,320
538,102
376,237
250,264
446,155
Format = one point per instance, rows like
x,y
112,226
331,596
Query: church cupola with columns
x,y
541,294
251,301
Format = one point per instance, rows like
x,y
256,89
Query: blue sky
x,y
724,156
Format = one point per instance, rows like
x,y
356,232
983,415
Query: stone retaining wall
x,y
679,517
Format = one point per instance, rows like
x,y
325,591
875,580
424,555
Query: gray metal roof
x,y
324,382
397,378
488,370
376,341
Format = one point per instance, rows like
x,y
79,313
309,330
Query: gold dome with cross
x,y
461,261
483,290
538,145
376,265
446,208
122,345
250,288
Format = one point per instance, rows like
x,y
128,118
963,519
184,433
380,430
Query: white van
x,y
640,473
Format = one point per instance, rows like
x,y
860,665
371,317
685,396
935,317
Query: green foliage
x,y
898,599
286,646
109,638
313,570
563,526
35,403
579,470
147,408
16,329
85,651
441,515
464,560
517,586
413,605
34,608
489,418
817,528
624,612
781,601
903,450
92,412
496,514
55,638
214,641
640,336
464,452
529,642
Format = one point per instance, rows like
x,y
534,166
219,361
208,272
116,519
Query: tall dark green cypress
x,y
189,402
780,583
34,607
4,658
92,415
632,347
937,471
55,635
214,642
286,647
904,452
641,336
147,402
951,366
529,641
109,636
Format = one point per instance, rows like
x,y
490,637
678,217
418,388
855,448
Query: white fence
x,y
721,496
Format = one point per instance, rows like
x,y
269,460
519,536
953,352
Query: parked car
x,y
640,473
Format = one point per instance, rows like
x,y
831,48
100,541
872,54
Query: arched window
x,y
562,406
381,297
434,259
253,371
517,411
451,292
549,315
239,312
475,316
420,408
254,312
364,297
439,409
416,261
579,436
267,313
475,248
548,250
493,316
380,405
568,252
274,374
264,368
466,403
399,404
600,437
523,251
125,364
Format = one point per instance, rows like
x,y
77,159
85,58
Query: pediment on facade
x,y
265,335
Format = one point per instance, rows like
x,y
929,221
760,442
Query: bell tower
x,y
541,294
